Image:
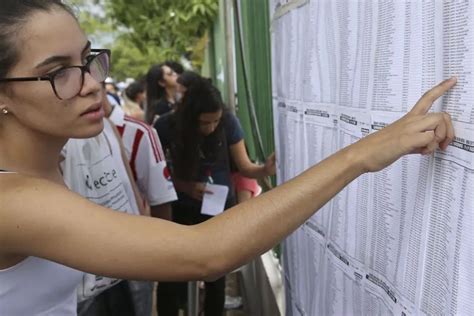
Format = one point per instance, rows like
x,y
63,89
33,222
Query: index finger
x,y
425,102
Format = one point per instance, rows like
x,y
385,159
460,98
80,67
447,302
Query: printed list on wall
x,y
400,241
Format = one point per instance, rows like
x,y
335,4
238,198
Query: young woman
x,y
204,140
161,90
50,91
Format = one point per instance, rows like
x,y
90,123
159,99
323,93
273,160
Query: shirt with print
x,y
146,158
94,169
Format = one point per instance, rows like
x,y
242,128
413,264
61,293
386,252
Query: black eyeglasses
x,y
67,82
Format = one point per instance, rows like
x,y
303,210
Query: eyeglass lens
x,y
68,82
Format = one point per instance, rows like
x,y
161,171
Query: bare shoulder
x,y
17,191
32,210
20,195
14,188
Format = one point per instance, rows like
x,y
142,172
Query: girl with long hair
x,y
161,89
204,140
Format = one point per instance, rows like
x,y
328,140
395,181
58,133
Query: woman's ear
x,y
162,83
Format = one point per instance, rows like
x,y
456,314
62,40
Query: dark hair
x,y
200,97
177,67
134,89
13,15
154,91
188,78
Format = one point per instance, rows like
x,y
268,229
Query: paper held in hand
x,y
213,204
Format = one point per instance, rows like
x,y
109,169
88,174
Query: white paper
x,y
213,204
399,241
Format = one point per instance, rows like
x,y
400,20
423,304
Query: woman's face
x,y
208,122
47,42
169,77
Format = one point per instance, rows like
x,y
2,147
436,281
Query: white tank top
x,y
38,287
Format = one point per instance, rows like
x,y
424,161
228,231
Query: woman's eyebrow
x,y
58,59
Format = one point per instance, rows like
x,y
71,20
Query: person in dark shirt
x,y
184,81
203,138
161,89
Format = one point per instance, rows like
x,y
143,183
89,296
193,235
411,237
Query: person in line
x,y
204,140
161,90
50,91
245,188
96,169
184,81
134,100
147,161
132,151
144,156
113,92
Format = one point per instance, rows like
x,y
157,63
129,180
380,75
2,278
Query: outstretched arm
x,y
80,234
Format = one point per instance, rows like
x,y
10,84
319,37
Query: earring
x,y
4,111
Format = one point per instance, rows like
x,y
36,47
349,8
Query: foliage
x,y
146,32
130,61
95,23
157,30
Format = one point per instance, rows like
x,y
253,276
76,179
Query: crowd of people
x,y
167,137
102,192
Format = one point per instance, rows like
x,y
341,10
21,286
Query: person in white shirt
x,y
147,161
94,168
148,166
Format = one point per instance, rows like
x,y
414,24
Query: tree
x,y
94,21
146,32
156,30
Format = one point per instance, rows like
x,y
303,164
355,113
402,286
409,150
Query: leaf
x,y
145,33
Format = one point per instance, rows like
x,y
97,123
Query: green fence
x,y
254,74
253,70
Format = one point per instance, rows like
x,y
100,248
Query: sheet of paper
x,y
399,241
213,204
320,138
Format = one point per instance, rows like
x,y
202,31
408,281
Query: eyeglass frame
x,y
50,77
